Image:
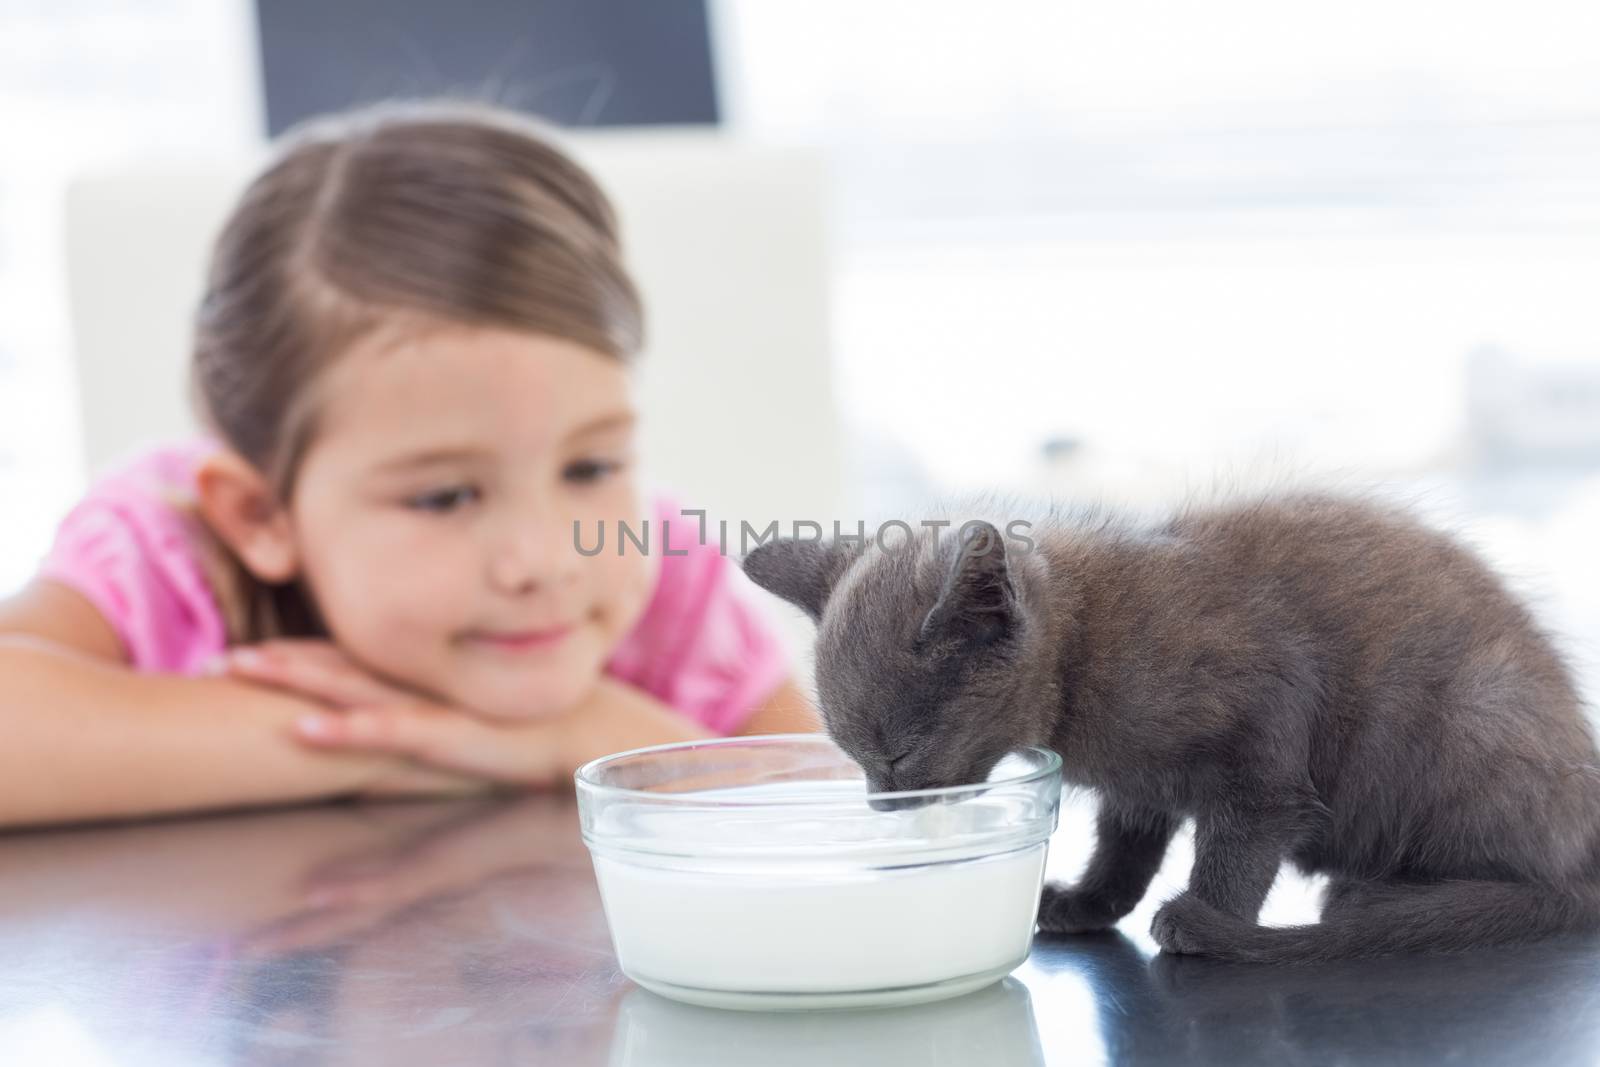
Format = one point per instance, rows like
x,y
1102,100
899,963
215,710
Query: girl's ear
x,y
802,572
242,510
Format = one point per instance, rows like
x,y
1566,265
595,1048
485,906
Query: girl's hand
x,y
313,668
435,737
369,714
412,780
321,670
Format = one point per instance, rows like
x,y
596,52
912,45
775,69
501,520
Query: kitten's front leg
x,y
1237,854
1129,846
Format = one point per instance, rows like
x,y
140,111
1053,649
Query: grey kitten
x,y
1314,678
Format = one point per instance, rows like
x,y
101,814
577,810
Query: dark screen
x,y
575,62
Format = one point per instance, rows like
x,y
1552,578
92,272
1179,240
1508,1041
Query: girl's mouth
x,y
521,640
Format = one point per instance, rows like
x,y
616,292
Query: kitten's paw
x,y
1067,910
1184,925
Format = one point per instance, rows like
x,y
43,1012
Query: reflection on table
x,y
472,932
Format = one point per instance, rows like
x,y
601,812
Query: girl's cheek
x,y
631,581
621,496
404,562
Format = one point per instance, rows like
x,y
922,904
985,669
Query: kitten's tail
x,y
1388,918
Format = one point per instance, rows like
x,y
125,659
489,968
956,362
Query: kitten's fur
x,y
1309,677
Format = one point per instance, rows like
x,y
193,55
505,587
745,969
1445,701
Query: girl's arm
x,y
87,738
787,711
539,753
365,714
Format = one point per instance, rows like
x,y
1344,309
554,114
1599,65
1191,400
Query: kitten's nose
x,y
897,803
877,785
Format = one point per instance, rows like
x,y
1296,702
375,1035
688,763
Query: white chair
x,y
728,243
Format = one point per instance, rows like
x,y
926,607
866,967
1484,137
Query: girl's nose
x,y
528,558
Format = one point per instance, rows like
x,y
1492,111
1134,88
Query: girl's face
x,y
433,515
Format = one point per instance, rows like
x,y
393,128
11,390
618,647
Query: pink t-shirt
x,y
700,647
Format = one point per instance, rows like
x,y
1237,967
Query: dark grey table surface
x,y
471,933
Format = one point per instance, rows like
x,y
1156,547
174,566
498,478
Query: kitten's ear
x,y
978,604
803,572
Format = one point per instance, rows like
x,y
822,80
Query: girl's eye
x,y
443,501
586,471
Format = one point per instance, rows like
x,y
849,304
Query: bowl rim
x,y
1050,766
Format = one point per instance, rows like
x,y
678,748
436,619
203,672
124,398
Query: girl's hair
x,y
462,213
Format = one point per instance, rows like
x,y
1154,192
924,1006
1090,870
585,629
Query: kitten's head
x,y
923,650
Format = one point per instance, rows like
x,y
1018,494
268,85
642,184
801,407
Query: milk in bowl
x,y
753,873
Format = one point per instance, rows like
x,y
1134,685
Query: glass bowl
x,y
752,872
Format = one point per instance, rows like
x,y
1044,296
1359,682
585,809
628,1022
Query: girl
x,y
365,578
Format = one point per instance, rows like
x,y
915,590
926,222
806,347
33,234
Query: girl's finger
x,y
285,650
393,730
329,678
443,739
289,672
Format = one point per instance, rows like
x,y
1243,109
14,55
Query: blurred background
x,y
1123,251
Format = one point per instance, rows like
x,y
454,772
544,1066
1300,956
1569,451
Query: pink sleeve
x,y
702,646
129,551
